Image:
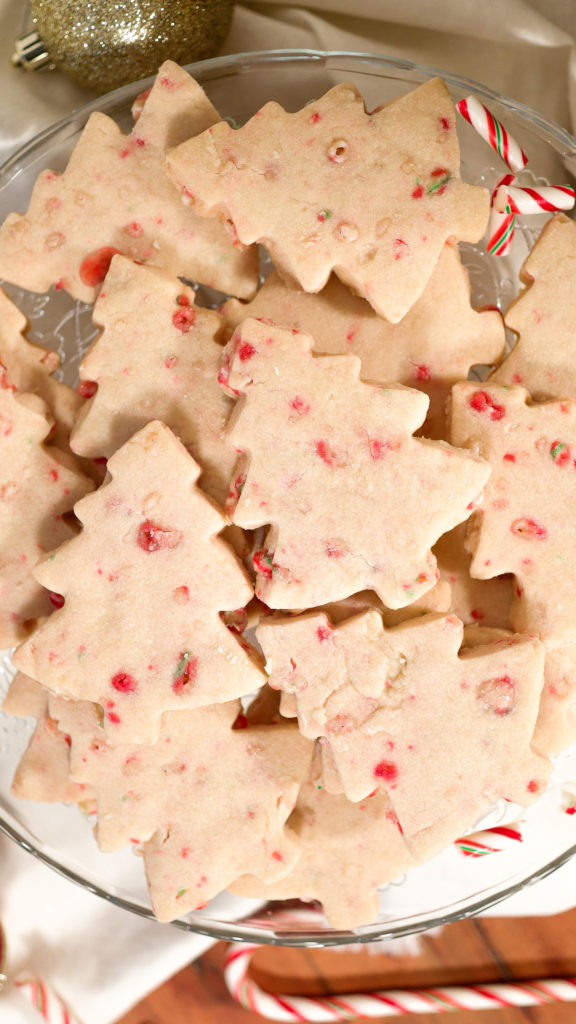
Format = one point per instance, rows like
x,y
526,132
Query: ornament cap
x,y
30,53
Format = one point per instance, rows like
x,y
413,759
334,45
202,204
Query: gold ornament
x,y
102,44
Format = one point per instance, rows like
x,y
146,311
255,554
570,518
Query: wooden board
x,y
478,950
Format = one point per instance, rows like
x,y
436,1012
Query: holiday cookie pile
x,y
292,596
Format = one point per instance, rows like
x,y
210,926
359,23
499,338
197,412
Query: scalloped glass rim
x,y
564,144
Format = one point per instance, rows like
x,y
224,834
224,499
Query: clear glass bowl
x,y
451,886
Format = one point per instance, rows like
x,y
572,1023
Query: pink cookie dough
x,y
158,357
206,802
354,501
526,522
544,358
140,632
372,196
116,196
37,490
425,350
378,701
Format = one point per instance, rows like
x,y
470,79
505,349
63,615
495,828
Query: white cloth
x,y
101,959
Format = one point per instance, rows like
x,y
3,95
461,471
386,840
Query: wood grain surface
x,y
478,950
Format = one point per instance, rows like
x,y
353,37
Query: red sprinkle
x,y
246,351
386,770
324,633
418,192
378,449
277,855
482,401
533,786
124,683
328,454
314,118
477,614
422,372
529,528
240,722
94,268
509,457
299,406
56,599
440,172
151,537
400,247
87,388
184,318
187,676
445,124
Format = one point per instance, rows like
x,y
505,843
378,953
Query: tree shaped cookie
x,y
379,698
371,196
355,501
527,518
150,322
29,368
184,796
144,583
424,351
555,728
485,602
116,196
544,358
43,772
37,490
348,852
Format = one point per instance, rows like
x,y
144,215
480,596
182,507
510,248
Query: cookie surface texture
x,y
427,350
201,781
371,196
527,517
150,324
116,196
544,358
348,852
144,582
37,489
377,699
355,501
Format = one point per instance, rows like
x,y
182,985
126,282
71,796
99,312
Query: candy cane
x,y
546,198
48,1003
386,1003
493,132
501,229
490,840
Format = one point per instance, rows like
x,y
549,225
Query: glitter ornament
x,y
103,44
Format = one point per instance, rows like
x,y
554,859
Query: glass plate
x,y
450,886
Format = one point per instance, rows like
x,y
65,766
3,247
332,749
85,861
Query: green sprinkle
x,y
440,183
556,449
181,666
319,785
180,893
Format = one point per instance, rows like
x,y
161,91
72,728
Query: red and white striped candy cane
x,y
386,1003
48,1003
490,840
493,132
501,228
545,199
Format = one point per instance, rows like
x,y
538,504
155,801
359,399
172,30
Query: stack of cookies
x,y
309,462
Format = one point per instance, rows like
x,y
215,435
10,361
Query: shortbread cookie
x,y
29,368
158,357
544,357
348,852
43,772
556,726
484,602
140,631
37,490
355,502
378,698
373,197
527,519
201,781
116,196
425,350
